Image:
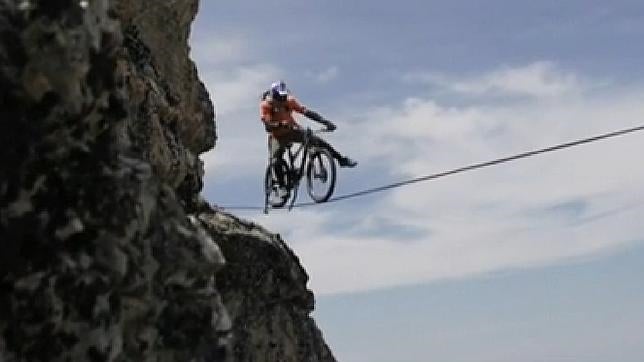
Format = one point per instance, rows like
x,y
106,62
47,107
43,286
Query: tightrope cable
x,y
457,170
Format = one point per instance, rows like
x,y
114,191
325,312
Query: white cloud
x,y
326,75
235,83
239,89
232,73
539,79
241,136
576,203
220,50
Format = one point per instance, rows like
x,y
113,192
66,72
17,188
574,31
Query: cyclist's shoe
x,y
347,162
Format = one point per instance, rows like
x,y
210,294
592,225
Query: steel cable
x,y
457,170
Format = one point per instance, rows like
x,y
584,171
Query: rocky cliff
x,y
107,250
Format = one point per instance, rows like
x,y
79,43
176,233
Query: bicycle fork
x,y
298,173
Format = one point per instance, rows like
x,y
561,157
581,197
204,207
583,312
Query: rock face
x,y
264,288
171,115
107,251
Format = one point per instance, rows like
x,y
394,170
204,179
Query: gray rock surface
x,y
264,288
170,113
107,251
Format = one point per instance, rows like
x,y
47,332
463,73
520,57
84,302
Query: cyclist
x,y
276,112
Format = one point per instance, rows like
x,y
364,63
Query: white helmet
x,y
279,91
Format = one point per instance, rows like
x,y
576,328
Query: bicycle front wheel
x,y
320,175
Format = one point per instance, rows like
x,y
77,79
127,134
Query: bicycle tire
x,y
271,185
321,168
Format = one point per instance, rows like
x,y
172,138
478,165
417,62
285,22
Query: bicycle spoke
x,y
321,176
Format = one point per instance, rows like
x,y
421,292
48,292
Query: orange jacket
x,y
274,113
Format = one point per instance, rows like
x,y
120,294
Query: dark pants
x,y
276,146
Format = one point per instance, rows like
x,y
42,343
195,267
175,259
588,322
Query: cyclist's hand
x,y
330,126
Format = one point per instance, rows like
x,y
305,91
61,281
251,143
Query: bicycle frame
x,y
296,171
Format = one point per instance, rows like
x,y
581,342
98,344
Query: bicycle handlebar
x,y
319,130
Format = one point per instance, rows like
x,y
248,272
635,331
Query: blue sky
x,y
588,311
527,254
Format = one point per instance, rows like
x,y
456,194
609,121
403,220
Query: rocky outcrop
x,y
264,288
171,115
107,251
99,259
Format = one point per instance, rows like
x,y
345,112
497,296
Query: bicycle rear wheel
x,y
276,196
320,175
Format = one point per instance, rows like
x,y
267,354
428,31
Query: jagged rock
x,y
264,289
98,258
107,250
165,27
171,116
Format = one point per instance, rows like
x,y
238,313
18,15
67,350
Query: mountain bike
x,y
305,159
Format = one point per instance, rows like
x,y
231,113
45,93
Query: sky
x,y
539,259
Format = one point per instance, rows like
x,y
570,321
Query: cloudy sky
x,y
540,259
